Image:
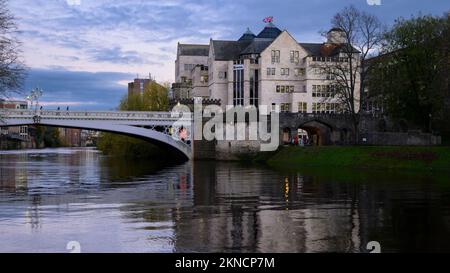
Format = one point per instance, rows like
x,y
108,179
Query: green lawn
x,y
374,157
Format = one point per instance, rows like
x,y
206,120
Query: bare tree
x,y
360,35
12,69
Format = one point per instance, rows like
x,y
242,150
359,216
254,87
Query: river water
x,y
53,196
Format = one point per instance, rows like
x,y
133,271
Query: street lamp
x,y
29,98
35,94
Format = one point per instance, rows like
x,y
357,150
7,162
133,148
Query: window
x,y
285,71
285,107
302,107
188,67
299,72
270,71
222,74
238,83
295,56
183,79
324,91
328,108
275,56
273,71
285,89
204,79
330,76
254,87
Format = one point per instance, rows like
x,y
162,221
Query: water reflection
x,y
50,197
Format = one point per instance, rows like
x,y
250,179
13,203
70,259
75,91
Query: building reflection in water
x,y
252,210
219,207
13,176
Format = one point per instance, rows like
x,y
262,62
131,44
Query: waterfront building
x,y
191,71
70,137
138,85
270,68
16,133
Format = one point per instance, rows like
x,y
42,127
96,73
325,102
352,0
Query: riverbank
x,y
373,157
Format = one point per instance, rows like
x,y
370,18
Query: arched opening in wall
x,y
314,133
286,136
345,136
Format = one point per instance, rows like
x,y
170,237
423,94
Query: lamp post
x,y
30,99
35,94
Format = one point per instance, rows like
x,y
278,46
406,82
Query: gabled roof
x,y
257,46
193,50
326,50
228,50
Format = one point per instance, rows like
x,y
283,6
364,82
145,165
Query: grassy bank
x,y
373,157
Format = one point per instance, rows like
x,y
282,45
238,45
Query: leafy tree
x,y
412,74
48,137
154,98
12,69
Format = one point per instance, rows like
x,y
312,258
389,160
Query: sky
x,y
82,53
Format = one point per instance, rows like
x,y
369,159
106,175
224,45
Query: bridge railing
x,y
108,115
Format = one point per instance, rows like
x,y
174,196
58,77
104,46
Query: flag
x,y
268,19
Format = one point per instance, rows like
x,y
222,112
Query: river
x,y
53,196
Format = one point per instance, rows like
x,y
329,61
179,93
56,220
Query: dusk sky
x,y
82,53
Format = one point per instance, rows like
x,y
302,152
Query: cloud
x,y
81,89
118,56
140,36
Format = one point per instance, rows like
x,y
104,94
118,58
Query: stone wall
x,y
412,138
204,150
236,149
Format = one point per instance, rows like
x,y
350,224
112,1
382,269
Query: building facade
x,y
20,132
70,137
138,85
191,71
271,68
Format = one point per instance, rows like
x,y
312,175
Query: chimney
x,y
336,36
